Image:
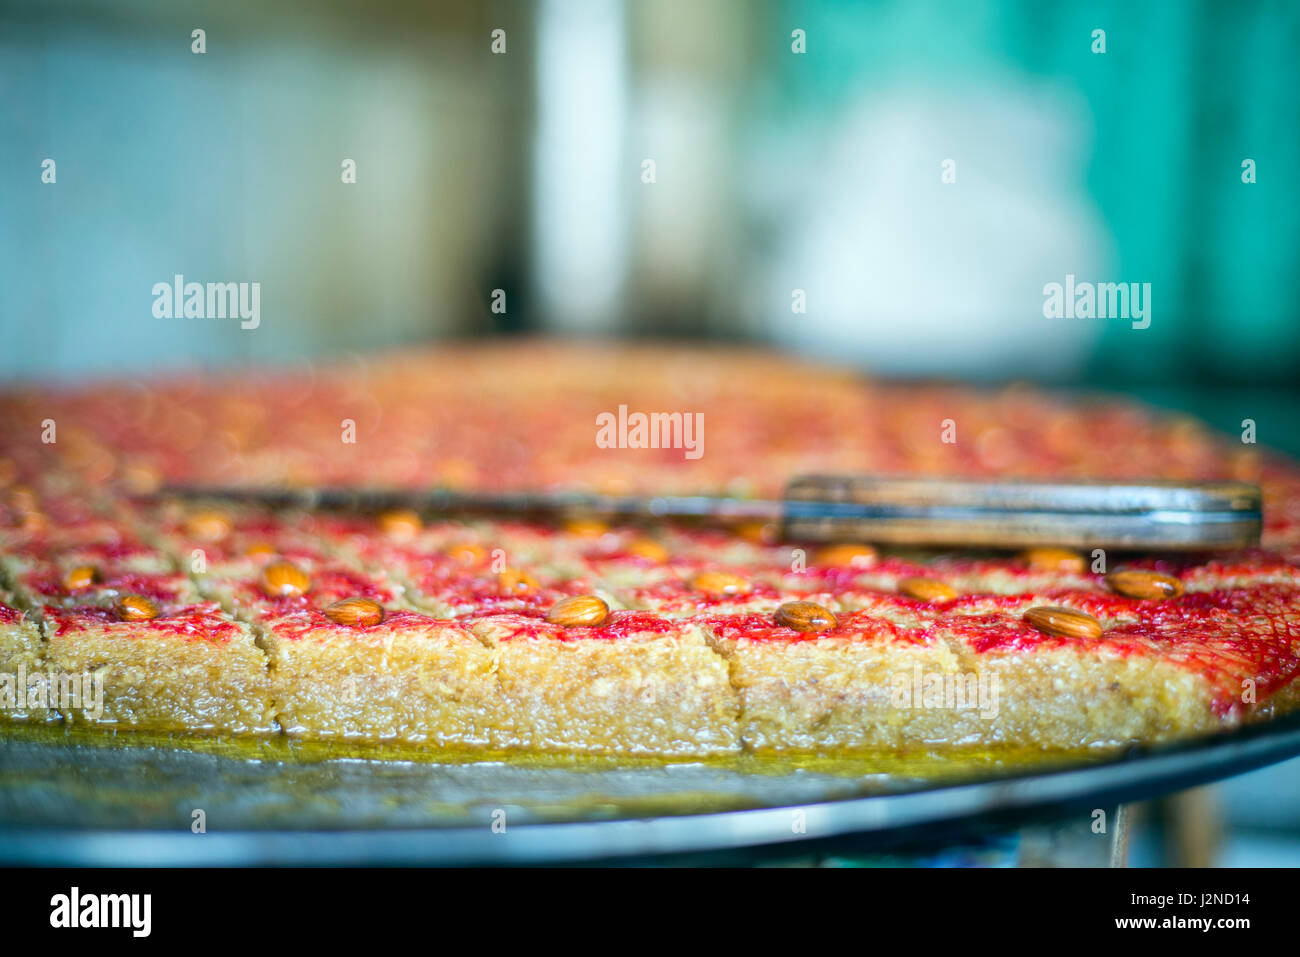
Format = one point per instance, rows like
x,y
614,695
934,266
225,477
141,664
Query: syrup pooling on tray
x,y
669,640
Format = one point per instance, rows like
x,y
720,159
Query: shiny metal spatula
x,y
895,511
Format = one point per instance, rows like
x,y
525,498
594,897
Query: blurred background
x,y
889,184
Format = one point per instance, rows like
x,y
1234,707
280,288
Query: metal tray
x,y
69,798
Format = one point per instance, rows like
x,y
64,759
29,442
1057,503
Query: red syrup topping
x,y
1242,564
855,626
846,575
522,625
158,588
232,550
461,588
190,623
66,510
328,585
677,591
1226,636
296,625
488,603
55,540
598,558
92,552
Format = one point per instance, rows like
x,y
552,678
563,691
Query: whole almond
x,y
1053,560
513,581
400,523
141,478
34,522
926,589
83,576
284,580
467,553
135,608
260,550
1063,622
23,499
720,583
586,527
1149,586
845,556
207,526
760,533
579,611
805,616
648,549
359,612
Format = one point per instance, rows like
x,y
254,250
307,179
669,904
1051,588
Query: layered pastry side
x,y
22,654
599,681
576,636
585,638
173,668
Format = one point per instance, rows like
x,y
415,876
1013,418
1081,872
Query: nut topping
x,y
23,499
513,581
845,556
467,553
35,522
760,533
586,527
355,612
1063,622
1053,560
207,526
579,611
926,589
648,549
141,478
1149,586
805,616
135,608
83,576
400,523
285,580
720,583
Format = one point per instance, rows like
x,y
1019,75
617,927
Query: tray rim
x,y
1140,773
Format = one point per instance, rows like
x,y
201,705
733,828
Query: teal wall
x,y
1184,92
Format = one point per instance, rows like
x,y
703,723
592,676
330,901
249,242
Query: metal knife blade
x,y
887,510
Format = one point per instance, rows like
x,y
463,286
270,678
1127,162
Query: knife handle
x,y
1021,513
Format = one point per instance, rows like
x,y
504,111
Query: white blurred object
x,y
907,274
581,182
